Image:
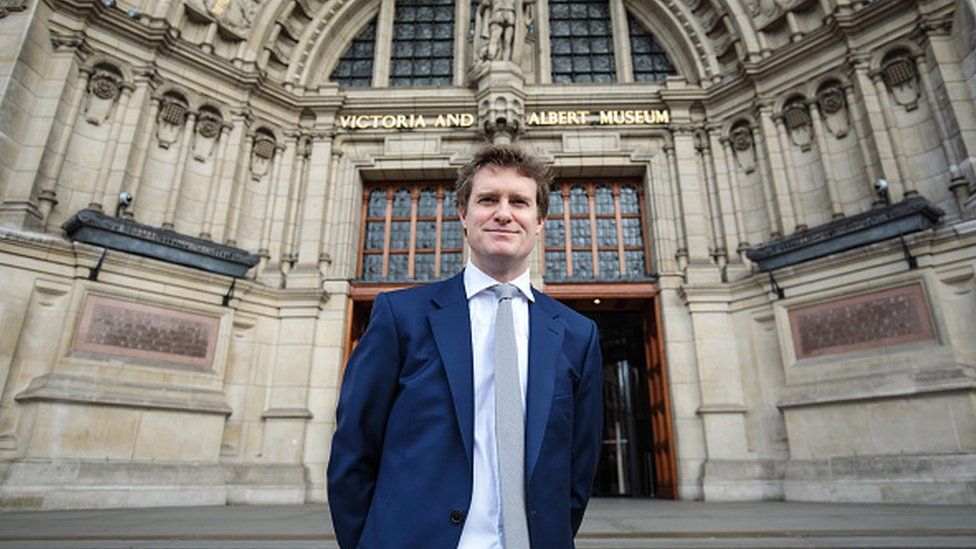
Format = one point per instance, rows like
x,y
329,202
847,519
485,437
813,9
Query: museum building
x,y
767,206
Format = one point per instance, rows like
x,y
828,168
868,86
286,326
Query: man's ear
x,y
461,214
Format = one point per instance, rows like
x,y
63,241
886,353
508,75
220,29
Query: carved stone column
x,y
681,253
216,180
179,175
771,160
49,172
140,153
830,177
309,233
792,183
737,205
108,154
239,184
906,187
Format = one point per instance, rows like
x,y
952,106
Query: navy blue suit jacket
x,y
400,473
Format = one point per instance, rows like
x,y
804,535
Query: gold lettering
x,y
606,117
629,117
571,117
563,119
389,121
642,117
421,123
662,117
401,121
583,115
346,120
467,120
361,122
440,121
534,119
553,118
453,119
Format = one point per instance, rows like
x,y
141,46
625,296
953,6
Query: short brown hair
x,y
505,156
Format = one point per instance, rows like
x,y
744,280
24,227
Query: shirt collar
x,y
476,281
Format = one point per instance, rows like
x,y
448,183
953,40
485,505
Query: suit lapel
x,y
451,326
545,340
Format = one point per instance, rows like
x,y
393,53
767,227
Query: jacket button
x,y
457,516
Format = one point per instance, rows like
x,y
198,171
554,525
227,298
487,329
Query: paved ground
x,y
610,523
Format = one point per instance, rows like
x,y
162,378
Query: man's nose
x,y
503,212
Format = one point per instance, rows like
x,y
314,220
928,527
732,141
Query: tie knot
x,y
504,291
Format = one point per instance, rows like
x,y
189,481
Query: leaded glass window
x,y
411,233
581,41
650,61
423,43
355,68
605,236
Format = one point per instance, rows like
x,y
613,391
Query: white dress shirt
x,y
483,525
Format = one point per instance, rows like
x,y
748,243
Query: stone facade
x,y
221,121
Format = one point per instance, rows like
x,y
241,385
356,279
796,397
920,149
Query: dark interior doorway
x,y
626,459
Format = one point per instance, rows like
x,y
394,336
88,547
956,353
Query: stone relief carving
x,y
833,109
261,155
764,10
237,16
7,6
169,122
901,77
209,125
495,24
796,118
743,147
104,87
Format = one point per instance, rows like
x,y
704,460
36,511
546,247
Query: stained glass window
x,y
423,43
355,68
581,41
410,233
650,61
606,239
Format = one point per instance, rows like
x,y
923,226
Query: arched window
x,y
650,61
423,43
355,68
581,41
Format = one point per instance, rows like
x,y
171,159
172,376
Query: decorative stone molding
x,y
104,88
796,118
262,153
900,76
173,111
233,17
743,147
832,101
208,128
9,6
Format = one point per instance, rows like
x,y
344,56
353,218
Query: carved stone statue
x,y
496,25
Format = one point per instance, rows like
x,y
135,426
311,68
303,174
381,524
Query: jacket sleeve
x,y
587,428
369,388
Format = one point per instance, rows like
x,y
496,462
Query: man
x,y
426,452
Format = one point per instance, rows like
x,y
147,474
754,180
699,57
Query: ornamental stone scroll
x,y
832,101
262,153
209,126
173,111
104,88
743,147
900,75
796,118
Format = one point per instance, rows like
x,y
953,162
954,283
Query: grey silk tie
x,y
509,423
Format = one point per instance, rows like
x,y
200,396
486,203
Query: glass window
x,y
581,41
617,250
355,68
423,43
650,61
420,240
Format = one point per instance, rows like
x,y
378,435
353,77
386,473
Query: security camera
x,y
881,186
125,199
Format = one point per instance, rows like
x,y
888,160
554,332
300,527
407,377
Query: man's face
x,y
502,220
